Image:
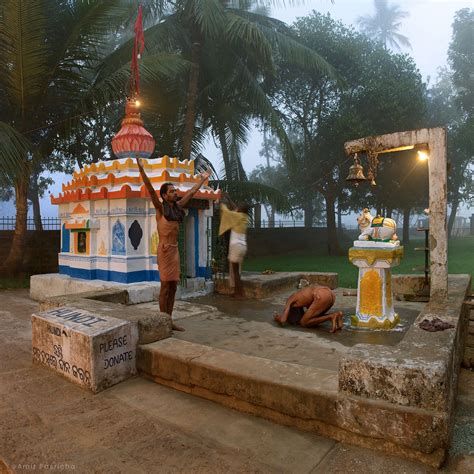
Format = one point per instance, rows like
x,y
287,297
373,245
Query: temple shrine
x,y
108,225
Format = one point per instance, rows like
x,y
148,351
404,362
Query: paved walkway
x,y
46,423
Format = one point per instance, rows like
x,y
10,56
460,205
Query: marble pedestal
x,y
374,289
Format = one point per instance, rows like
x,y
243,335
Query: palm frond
x,y
282,41
25,50
14,150
209,16
253,192
254,94
153,70
202,164
92,22
399,39
241,32
384,23
159,38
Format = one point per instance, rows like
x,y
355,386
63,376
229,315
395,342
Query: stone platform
x,y
396,395
39,410
50,285
259,285
152,325
388,390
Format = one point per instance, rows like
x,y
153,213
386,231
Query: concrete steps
x,y
240,380
299,396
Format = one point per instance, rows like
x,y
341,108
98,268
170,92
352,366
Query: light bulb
x,y
422,155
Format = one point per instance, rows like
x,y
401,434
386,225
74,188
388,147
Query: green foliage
x,y
383,92
14,151
461,59
451,105
48,50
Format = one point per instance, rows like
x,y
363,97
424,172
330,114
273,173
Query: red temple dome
x,y
133,140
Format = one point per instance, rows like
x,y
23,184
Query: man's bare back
x,y
318,300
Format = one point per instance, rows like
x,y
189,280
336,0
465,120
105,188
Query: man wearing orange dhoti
x,y
169,214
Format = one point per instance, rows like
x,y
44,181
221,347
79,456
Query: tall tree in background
x,y
237,52
461,60
451,105
383,93
45,46
384,24
231,51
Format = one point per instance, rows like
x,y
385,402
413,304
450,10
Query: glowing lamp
x,y
422,155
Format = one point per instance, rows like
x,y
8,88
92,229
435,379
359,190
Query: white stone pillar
x,y
438,233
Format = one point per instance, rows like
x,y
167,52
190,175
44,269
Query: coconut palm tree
x,y
383,26
49,50
232,54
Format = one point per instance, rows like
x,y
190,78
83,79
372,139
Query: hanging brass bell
x,y
356,173
371,178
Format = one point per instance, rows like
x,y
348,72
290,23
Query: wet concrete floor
x,y
247,326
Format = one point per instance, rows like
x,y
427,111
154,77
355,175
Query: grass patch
x,y
11,283
460,260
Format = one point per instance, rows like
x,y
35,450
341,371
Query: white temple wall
x,y
191,244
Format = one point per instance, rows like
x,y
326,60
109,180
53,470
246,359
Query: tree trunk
x,y
339,216
308,213
452,215
13,263
191,98
257,216
332,242
225,154
271,217
34,197
406,226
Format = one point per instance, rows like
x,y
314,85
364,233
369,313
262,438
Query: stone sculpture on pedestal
x,y
375,253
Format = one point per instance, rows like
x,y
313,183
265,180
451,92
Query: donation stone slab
x,y
93,351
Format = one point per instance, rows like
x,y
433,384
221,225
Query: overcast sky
x,y
428,28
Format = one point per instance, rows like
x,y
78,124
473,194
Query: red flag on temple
x,y
138,48
133,140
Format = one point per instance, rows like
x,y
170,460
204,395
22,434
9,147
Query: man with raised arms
x,y
169,214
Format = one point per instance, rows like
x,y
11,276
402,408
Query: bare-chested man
x,y
169,215
318,300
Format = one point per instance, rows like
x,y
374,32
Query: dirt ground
x,y
49,424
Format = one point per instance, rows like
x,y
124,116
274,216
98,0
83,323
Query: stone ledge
x,y
152,325
421,371
51,285
295,395
259,286
407,286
